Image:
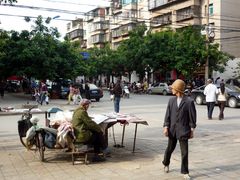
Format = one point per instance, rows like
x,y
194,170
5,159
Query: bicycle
x,y
38,141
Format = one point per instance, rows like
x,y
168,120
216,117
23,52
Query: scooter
x,y
126,92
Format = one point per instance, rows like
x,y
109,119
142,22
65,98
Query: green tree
x,y
4,39
217,59
182,50
131,52
190,50
39,53
159,51
237,71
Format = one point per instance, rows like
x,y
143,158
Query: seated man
x,y
87,131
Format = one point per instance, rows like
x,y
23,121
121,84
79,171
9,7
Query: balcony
x,y
78,33
160,4
96,13
162,20
96,39
188,13
123,30
99,26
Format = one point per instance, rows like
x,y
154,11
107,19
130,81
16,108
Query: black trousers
x,y
221,105
172,142
98,141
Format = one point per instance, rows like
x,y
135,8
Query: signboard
x,y
85,55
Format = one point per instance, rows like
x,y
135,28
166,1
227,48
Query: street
x,y
213,152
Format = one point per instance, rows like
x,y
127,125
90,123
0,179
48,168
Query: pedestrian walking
x,y
87,91
71,93
210,92
117,92
43,93
2,88
179,125
76,96
221,98
37,96
111,86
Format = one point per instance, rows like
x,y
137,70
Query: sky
x,y
10,16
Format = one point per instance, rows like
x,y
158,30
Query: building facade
x,y
219,19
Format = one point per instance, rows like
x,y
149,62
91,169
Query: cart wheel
x,y
40,145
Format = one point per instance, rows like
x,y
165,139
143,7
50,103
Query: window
x,y
163,19
141,12
128,1
184,13
210,9
98,38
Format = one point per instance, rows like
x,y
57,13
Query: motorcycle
x,y
126,92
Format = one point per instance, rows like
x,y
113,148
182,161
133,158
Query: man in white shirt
x,y
210,92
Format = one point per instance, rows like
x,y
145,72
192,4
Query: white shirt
x,y
210,91
179,99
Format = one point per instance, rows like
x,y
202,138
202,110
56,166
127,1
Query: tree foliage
x,y
132,50
38,53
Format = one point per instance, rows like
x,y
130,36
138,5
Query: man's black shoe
x,y
98,159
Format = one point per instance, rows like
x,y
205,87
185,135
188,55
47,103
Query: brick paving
x,y
213,153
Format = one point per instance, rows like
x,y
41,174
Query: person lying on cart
x,y
87,131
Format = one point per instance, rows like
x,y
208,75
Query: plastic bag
x,y
112,97
49,139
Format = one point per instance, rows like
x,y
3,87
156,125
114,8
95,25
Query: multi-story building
x,y
224,20
112,24
124,19
97,27
174,13
220,16
75,31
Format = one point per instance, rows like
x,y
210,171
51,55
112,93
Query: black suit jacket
x,y
180,119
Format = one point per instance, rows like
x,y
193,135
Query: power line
x,y
84,13
179,24
35,17
233,29
64,2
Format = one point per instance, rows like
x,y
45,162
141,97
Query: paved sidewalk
x,y
213,153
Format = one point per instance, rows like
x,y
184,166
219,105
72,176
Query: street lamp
x,y
207,43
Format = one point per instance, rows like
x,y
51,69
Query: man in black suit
x,y
179,124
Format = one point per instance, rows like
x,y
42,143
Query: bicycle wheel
x,y
40,145
23,141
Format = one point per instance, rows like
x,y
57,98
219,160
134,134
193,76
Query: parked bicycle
x,y
36,143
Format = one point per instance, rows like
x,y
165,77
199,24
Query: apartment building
x,y
224,17
124,19
75,31
174,13
223,28
97,27
112,24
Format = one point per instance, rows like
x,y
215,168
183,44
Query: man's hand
x,y
191,134
165,131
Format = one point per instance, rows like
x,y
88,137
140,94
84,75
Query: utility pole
x,y
207,42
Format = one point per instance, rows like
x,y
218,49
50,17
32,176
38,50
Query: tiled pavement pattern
x,y
213,153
